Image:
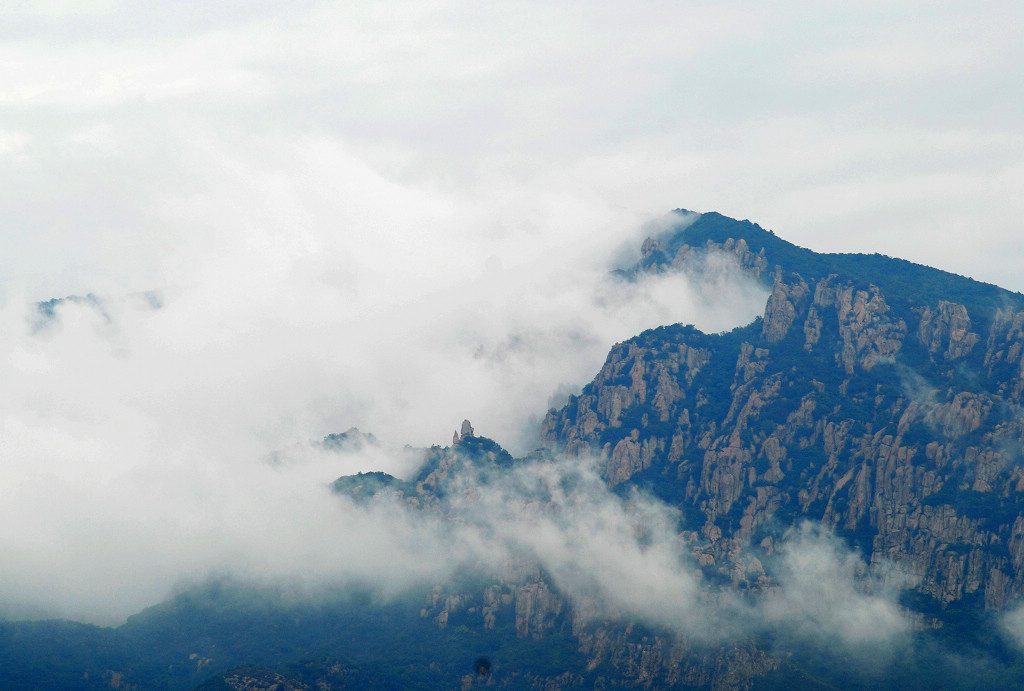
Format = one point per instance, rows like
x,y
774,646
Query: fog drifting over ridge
x,y
135,436
138,454
397,215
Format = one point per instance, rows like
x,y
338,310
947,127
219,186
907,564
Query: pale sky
x,y
131,132
395,215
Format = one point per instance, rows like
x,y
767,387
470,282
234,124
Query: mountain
x,y
876,397
879,397
829,497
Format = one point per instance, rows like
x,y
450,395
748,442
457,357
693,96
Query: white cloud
x,y
398,215
828,592
134,438
621,558
1013,625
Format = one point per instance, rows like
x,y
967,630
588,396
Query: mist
x,y
394,217
622,558
136,432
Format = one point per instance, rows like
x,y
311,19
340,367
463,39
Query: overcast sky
x,y
131,132
398,214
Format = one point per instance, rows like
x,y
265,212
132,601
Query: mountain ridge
x,y
829,496
896,277
848,320
871,402
865,401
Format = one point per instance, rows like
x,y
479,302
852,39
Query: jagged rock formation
x,y
524,601
877,397
858,400
619,655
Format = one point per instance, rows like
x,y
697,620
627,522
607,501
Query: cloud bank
x,y
622,558
398,215
136,431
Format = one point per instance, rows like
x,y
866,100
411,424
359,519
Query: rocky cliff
x,y
889,416
829,497
875,397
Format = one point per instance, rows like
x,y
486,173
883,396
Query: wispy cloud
x,y
398,215
623,558
134,435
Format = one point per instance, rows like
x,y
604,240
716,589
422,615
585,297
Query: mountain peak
x,y
766,256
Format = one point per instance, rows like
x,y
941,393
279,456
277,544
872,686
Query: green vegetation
x,y
352,638
904,284
795,396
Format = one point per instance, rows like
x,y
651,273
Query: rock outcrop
x,y
889,425
875,397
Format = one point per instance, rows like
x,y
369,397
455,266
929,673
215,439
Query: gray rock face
x,y
784,304
892,419
914,457
947,330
